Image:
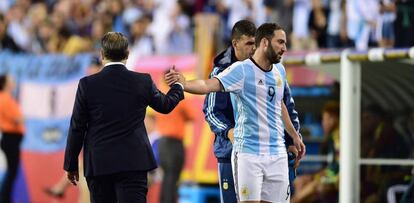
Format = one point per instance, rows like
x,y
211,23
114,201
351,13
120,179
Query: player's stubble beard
x,y
271,54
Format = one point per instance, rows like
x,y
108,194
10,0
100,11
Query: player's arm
x,y
202,86
230,80
193,86
292,132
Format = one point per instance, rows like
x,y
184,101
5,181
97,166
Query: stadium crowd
x,y
167,27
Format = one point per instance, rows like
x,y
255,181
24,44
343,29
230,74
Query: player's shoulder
x,y
280,68
236,66
244,63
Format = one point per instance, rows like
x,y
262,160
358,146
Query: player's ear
x,y
234,43
265,42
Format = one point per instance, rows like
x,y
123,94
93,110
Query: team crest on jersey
x,y
279,82
225,185
245,192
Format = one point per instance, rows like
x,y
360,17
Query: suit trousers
x,y
124,187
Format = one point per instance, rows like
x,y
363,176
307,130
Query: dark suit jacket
x,y
108,120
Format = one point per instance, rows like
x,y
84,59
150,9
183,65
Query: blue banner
x,y
51,68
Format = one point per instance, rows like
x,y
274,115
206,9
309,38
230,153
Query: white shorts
x,y
261,177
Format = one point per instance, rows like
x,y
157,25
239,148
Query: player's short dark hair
x,y
266,30
243,27
3,79
114,46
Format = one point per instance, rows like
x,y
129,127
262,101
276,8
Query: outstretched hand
x,y
173,76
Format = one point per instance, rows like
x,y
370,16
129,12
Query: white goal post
x,y
350,102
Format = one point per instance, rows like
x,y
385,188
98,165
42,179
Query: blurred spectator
x,y
4,6
311,24
13,129
42,36
301,37
323,186
336,31
80,18
98,29
318,21
388,15
162,24
180,40
171,148
272,10
37,13
115,8
252,10
404,24
18,27
58,20
6,42
142,43
64,42
362,21
282,13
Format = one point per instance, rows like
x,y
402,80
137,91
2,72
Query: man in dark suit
x,y
108,121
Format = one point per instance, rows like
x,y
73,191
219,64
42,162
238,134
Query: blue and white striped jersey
x,y
257,98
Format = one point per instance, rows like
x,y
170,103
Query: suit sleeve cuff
x,y
181,85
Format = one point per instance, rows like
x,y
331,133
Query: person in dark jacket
x,y
218,109
108,122
7,42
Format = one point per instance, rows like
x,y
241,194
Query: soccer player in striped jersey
x,y
219,114
259,157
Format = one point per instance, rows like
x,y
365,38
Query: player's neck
x,y
262,61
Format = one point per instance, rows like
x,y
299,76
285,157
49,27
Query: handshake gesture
x,y
173,76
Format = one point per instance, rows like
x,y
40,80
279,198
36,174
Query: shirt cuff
x,y
181,85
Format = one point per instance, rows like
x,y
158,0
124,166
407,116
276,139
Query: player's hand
x,y
230,135
300,147
174,76
293,149
73,177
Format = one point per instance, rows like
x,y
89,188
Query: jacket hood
x,y
225,58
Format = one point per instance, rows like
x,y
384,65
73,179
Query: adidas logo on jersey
x,y
260,82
